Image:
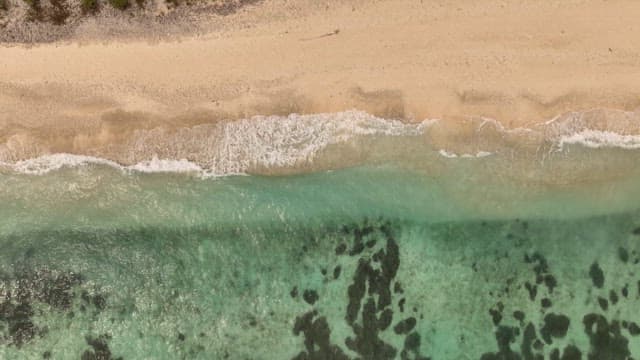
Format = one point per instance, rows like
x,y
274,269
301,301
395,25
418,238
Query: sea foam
x,y
241,146
601,139
234,147
48,163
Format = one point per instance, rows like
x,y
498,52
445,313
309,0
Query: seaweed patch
x,y
369,309
607,334
99,349
21,293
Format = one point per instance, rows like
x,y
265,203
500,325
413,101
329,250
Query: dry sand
x,y
519,62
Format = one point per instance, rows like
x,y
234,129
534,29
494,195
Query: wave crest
x,y
230,148
295,141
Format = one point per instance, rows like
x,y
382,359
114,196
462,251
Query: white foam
x,y
452,155
593,128
238,147
601,139
235,147
447,154
47,163
269,141
156,165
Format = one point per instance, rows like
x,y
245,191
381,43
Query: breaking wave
x,y
234,147
241,146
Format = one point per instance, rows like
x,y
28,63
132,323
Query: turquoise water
x,y
371,262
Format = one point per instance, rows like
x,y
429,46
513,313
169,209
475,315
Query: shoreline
x,y
573,149
405,60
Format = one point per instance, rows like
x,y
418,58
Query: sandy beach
x,y
513,61
320,180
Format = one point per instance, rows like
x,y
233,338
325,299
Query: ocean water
x,y
406,251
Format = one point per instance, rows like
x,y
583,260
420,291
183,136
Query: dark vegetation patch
x,y
89,6
608,334
496,313
317,339
604,304
505,336
310,296
376,304
58,12
119,4
623,254
336,272
597,275
229,7
22,292
605,338
55,12
35,12
555,326
369,310
99,349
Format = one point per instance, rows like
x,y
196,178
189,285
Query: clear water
x,y
371,262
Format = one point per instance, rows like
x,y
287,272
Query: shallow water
x,y
373,262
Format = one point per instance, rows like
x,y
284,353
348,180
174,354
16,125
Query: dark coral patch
x,y
532,289
18,318
405,326
100,349
518,315
340,249
336,272
596,274
605,338
505,335
317,338
367,342
29,288
401,304
397,288
604,304
613,297
555,326
496,313
529,341
386,317
550,281
623,254
369,307
571,353
310,296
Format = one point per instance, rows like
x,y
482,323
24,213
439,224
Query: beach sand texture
x,y
518,62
